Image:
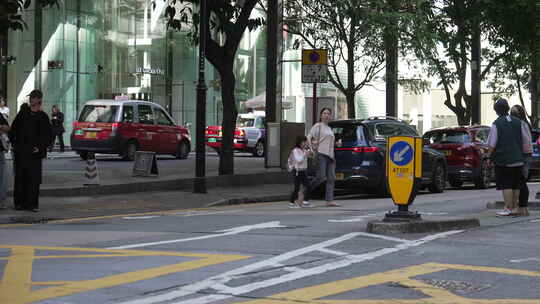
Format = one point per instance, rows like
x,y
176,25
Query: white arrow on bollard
x,y
231,231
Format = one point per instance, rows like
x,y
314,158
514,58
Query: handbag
x,y
313,161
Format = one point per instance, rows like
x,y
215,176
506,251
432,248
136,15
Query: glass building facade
x,y
99,49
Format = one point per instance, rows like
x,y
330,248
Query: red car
x,y
465,149
125,126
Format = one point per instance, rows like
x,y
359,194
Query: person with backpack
x,y
297,165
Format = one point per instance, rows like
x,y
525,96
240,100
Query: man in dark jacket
x,y
30,136
57,121
507,140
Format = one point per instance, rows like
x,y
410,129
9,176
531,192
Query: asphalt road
x,y
269,254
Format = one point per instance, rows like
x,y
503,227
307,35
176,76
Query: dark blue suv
x,y
360,155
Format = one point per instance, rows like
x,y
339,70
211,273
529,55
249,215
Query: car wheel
x,y
258,151
483,179
438,182
182,150
83,154
129,152
455,183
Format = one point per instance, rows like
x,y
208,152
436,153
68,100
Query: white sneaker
x,y
293,206
504,212
306,204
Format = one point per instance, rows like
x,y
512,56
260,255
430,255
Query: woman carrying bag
x,y
321,138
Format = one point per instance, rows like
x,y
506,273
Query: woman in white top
x,y
3,107
322,140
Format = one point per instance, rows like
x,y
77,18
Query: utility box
x,y
281,139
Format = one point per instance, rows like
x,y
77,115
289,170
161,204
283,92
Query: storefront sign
x,y
151,71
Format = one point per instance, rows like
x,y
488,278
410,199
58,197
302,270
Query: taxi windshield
x,y
245,122
98,113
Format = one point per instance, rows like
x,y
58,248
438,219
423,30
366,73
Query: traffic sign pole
x,y
314,105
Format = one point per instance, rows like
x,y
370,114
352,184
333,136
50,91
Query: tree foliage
x,y
442,41
11,13
227,22
516,25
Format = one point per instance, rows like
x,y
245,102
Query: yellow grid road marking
x,y
16,284
403,276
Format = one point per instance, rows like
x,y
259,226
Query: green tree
x,y
228,20
516,26
442,41
352,33
11,12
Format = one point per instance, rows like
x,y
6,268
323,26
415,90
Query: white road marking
x,y
231,231
535,221
434,213
353,219
140,217
218,282
335,252
525,260
199,213
384,237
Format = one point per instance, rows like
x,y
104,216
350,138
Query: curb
x,y
421,226
249,200
500,205
170,185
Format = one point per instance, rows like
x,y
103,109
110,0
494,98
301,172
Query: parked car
x,y
249,135
465,149
125,126
534,171
360,155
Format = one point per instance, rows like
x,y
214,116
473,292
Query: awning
x,y
259,102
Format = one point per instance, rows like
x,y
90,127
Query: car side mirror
x,y
426,141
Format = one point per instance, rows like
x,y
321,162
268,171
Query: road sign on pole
x,y
404,173
314,66
314,70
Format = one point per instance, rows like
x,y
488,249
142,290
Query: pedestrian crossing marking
x,y
16,284
403,277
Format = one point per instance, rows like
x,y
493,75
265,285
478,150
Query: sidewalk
x,y
63,175
55,208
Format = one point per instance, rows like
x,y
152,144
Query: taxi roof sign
x,y
121,98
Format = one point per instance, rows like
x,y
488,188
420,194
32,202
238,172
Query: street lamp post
x,y
199,185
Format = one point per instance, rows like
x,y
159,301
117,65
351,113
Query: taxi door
x,y
146,128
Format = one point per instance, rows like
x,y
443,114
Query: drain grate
x,y
459,287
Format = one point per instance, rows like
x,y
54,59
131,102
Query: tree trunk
x,y
226,157
350,96
463,114
350,93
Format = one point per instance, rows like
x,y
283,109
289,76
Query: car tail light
x,y
241,134
114,129
359,149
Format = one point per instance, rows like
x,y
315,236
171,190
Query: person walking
x,y
522,210
297,163
4,148
506,140
321,139
57,121
30,136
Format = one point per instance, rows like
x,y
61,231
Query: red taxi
x,y
125,126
